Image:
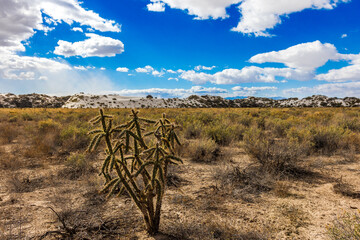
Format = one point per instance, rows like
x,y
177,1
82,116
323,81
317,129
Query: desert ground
x,y
252,173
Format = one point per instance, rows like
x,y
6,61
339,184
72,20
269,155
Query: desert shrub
x,y
279,127
327,140
48,125
9,161
77,165
282,189
296,216
274,155
27,117
44,139
205,118
204,150
221,134
242,182
261,123
245,120
8,132
351,142
303,136
347,226
211,228
43,145
345,189
192,131
23,184
74,137
351,124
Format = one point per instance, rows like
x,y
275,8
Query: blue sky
x,y
176,48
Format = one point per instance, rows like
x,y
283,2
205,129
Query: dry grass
x,y
347,226
346,189
236,194
24,184
204,150
8,132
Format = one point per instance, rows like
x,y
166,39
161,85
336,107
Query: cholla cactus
x,y
132,165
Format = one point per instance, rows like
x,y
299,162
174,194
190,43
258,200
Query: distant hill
x,y
243,97
115,101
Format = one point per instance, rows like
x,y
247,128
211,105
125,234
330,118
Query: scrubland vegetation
x,y
246,174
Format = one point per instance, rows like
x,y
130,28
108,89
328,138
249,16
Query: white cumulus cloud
x,y
348,73
28,68
257,16
20,20
250,74
94,46
202,9
350,89
200,67
146,69
250,91
307,56
77,29
156,6
176,92
156,73
122,69
81,68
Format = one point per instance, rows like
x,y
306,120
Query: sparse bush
x,y
346,189
279,127
211,228
9,161
204,151
48,125
8,132
192,132
44,139
274,155
282,189
220,134
351,124
327,140
24,184
297,217
347,226
77,165
74,137
241,182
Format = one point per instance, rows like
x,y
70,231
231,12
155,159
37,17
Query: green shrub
x,y
221,134
327,140
192,131
347,226
77,165
351,124
204,150
48,125
74,137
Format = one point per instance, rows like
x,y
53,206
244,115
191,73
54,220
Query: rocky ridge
x,y
34,100
115,101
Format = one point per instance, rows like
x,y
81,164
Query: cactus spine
x,y
133,165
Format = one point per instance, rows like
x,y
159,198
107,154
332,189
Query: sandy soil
x,y
200,206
